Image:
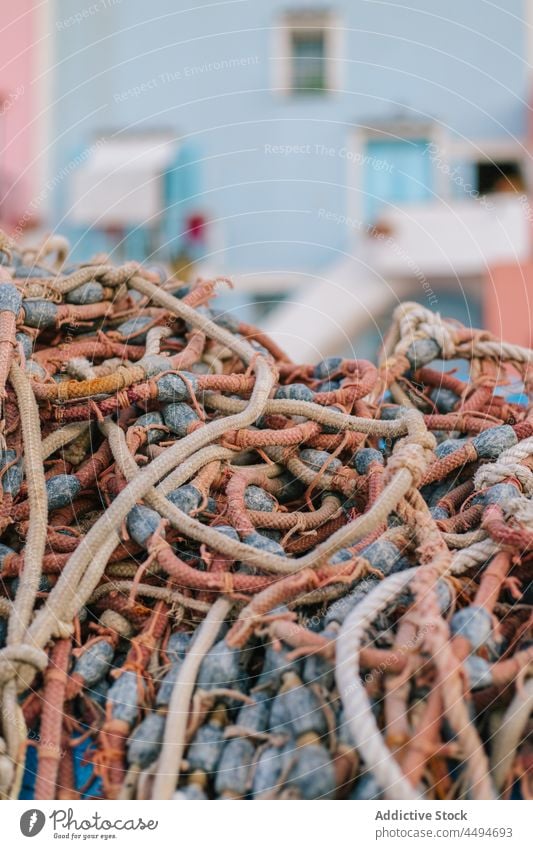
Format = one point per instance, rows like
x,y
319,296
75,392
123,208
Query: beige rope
x,y
56,440
357,709
37,526
85,567
275,564
509,733
22,610
163,593
169,763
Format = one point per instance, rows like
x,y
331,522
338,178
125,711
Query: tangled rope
x,y
227,575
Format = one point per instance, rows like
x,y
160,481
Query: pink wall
x,y
508,303
18,128
508,291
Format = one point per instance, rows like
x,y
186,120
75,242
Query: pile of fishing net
x,y
228,575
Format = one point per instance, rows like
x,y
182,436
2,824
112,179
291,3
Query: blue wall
x,y
461,62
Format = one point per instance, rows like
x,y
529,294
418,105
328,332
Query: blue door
x,y
395,172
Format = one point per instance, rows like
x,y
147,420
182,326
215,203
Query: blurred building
x,y
350,153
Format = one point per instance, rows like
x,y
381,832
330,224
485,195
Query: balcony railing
x,y
444,239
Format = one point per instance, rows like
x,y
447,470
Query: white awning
x,y
120,181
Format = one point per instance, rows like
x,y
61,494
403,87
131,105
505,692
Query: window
x,y
308,58
307,53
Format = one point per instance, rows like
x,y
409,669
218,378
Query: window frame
x,y
303,21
